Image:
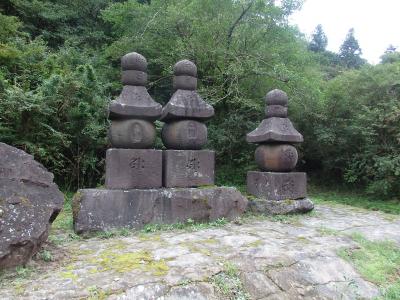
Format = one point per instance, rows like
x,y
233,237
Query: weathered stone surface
x,y
29,203
276,157
273,207
134,61
185,67
276,97
186,104
277,186
133,168
184,135
184,82
97,209
188,168
276,111
132,134
275,130
134,77
134,102
296,258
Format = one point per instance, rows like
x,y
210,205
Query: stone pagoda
x,y
184,133
144,185
277,188
130,164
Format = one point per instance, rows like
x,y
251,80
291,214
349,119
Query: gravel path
x,y
262,258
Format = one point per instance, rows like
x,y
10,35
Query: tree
x,y
350,52
319,40
390,55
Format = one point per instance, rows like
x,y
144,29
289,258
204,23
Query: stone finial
x,y
276,104
185,75
134,67
185,67
134,61
276,97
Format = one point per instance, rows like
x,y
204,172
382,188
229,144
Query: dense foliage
x,y
59,67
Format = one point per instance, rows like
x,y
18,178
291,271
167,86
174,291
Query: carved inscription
x,y
137,133
284,126
137,163
288,187
193,166
192,131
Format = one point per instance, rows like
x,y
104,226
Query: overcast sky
x,y
376,23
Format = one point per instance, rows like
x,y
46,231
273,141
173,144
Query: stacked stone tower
x,y
277,157
130,163
184,133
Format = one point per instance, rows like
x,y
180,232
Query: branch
x,y
232,28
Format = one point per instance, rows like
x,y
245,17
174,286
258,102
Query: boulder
x,y
29,203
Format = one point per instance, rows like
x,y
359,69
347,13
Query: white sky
x,y
376,23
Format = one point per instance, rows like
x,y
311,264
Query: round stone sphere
x,y
276,158
276,97
185,67
134,61
132,134
184,135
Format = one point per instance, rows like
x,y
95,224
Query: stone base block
x,y
277,186
133,168
188,168
273,207
100,210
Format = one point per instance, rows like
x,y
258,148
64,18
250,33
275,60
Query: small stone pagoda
x,y
184,132
277,188
145,185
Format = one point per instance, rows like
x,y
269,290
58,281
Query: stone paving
x,y
295,258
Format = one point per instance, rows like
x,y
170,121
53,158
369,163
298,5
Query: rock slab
x,y
273,207
101,210
29,203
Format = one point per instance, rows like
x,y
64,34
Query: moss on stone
x,y
255,243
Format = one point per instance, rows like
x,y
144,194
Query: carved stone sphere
x,y
184,135
185,67
276,158
132,134
276,97
134,61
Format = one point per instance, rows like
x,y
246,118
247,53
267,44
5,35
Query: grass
x,y
228,283
354,198
378,262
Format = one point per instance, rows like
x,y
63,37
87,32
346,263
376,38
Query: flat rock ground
x,y
258,258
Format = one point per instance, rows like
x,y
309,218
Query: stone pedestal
x,y
101,210
277,186
133,168
188,168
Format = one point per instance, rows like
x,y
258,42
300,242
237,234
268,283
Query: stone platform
x,y
102,209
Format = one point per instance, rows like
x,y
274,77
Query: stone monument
x,y
130,163
277,188
184,133
140,181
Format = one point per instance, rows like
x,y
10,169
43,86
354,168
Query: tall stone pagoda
x,y
279,190
130,163
184,133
